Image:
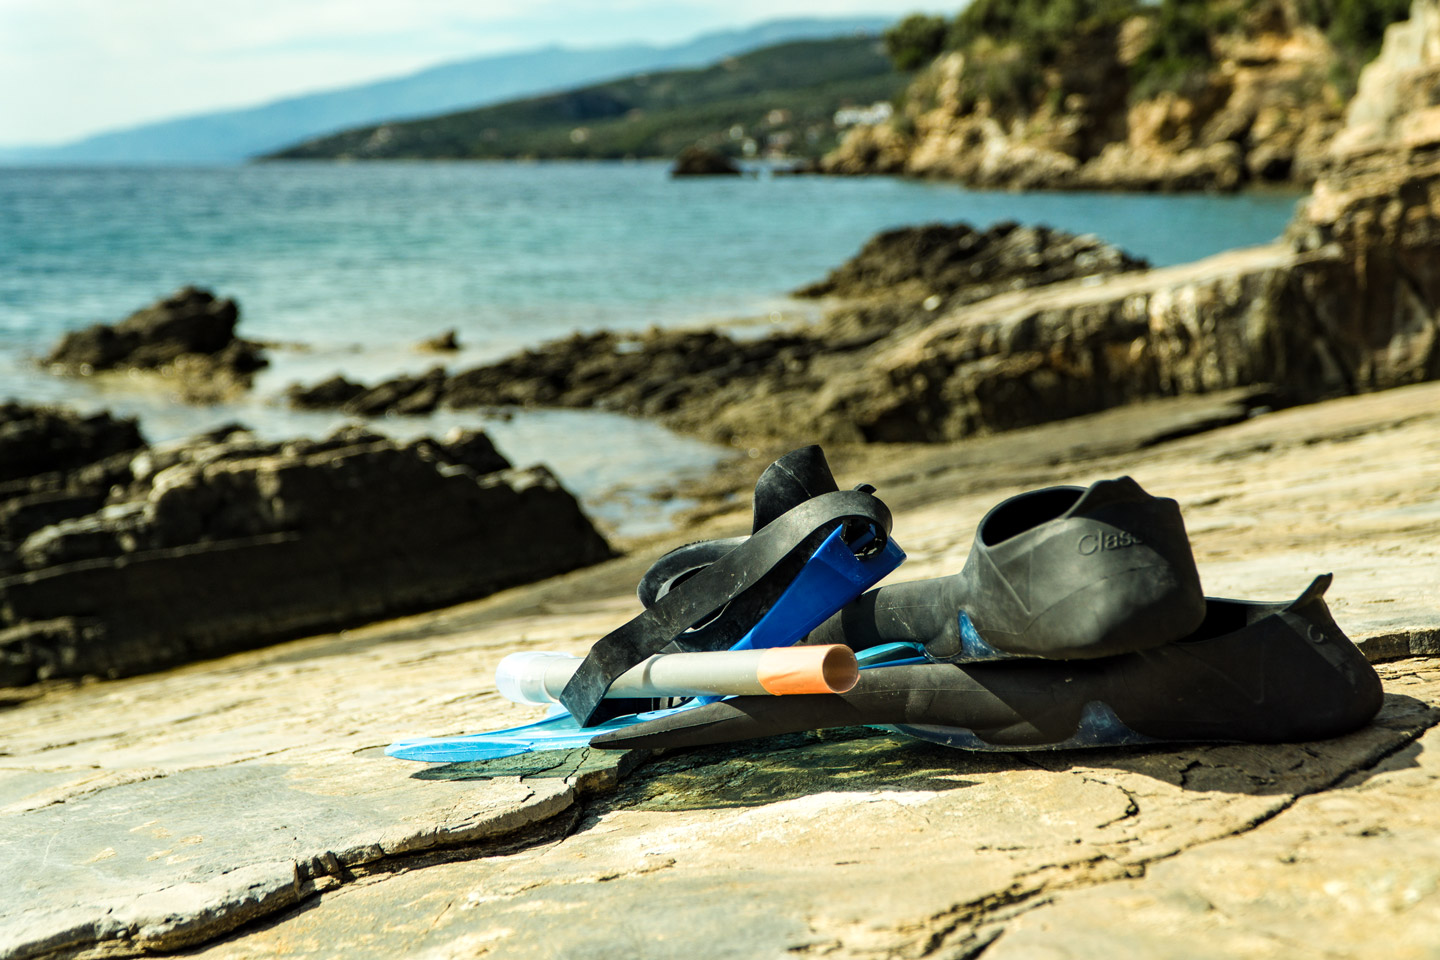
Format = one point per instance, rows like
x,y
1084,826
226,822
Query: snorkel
x,y
813,549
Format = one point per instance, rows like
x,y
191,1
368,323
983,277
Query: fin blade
x,y
1105,492
800,475
1314,592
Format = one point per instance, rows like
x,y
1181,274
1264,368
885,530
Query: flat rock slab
x,y
248,796
166,861
1352,872
150,813
868,846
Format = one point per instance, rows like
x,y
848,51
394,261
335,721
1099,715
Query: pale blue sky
x,y
74,67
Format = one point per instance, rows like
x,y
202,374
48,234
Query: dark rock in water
x,y
187,321
700,162
474,449
404,395
447,342
189,335
947,332
723,388
653,374
227,542
326,395
959,264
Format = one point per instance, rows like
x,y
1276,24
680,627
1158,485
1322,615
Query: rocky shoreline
x,y
118,557
245,807
933,334
945,332
725,389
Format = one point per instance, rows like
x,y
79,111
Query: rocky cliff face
x,y
1372,220
153,556
1263,111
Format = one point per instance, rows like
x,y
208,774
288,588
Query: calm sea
x,y
354,263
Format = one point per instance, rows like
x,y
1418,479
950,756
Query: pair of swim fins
x,y
813,548
1077,620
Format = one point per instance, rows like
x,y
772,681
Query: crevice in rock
x,y
970,929
1132,805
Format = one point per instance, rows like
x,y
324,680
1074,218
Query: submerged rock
x,y
447,342
225,542
189,335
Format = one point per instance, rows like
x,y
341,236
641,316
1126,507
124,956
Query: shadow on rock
x,y
546,765
774,769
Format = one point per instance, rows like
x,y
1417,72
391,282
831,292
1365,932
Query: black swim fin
x,y
1252,672
707,596
1061,573
800,475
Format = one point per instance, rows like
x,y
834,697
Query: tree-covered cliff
x,y
1179,94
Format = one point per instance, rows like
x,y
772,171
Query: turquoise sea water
x,y
354,263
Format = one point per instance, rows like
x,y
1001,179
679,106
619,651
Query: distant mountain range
x,y
235,135
777,101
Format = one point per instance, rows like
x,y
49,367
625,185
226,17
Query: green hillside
x,y
780,100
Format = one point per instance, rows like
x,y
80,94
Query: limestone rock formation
x,y
1262,110
1371,226
1350,304
189,336
163,555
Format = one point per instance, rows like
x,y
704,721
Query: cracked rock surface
x,y
867,847
242,807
